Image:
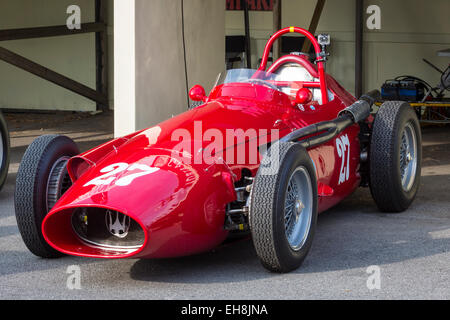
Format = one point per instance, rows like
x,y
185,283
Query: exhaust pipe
x,y
355,113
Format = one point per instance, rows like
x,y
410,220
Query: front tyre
x,y
41,180
4,151
395,157
283,207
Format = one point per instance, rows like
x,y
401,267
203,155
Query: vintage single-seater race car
x,y
264,153
4,151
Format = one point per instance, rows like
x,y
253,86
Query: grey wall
x,y
205,41
160,75
410,30
161,89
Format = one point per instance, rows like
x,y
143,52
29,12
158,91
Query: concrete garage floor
x,y
412,249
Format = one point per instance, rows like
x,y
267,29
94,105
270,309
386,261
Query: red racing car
x,y
266,152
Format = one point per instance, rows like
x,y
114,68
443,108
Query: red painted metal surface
x,y
304,96
180,204
197,93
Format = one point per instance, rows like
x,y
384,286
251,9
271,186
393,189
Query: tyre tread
x,y
383,185
25,204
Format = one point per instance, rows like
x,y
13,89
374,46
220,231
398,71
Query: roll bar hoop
x,y
321,57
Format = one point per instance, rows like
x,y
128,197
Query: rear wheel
x,y
41,180
4,151
283,208
395,157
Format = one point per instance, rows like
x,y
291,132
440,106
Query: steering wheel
x,y
262,82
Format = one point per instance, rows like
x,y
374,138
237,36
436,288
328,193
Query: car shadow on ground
x,y
436,154
354,234
234,262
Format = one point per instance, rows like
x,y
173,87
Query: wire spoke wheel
x,y
408,157
298,208
395,157
58,182
283,210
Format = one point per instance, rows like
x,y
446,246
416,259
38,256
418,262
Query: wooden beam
x,y
276,27
52,76
248,51
101,50
53,31
359,26
314,23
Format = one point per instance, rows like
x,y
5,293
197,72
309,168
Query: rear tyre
x,y
41,180
283,207
395,157
4,151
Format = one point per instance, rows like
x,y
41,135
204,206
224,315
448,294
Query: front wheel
x,y
395,157
41,180
283,207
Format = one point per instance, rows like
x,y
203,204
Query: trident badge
x,y
117,223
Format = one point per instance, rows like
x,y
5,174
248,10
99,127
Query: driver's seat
x,y
298,69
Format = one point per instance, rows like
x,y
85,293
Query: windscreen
x,y
247,76
287,79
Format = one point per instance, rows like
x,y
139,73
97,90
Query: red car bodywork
x,y
181,207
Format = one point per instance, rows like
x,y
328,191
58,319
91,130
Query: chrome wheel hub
x,y
299,206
